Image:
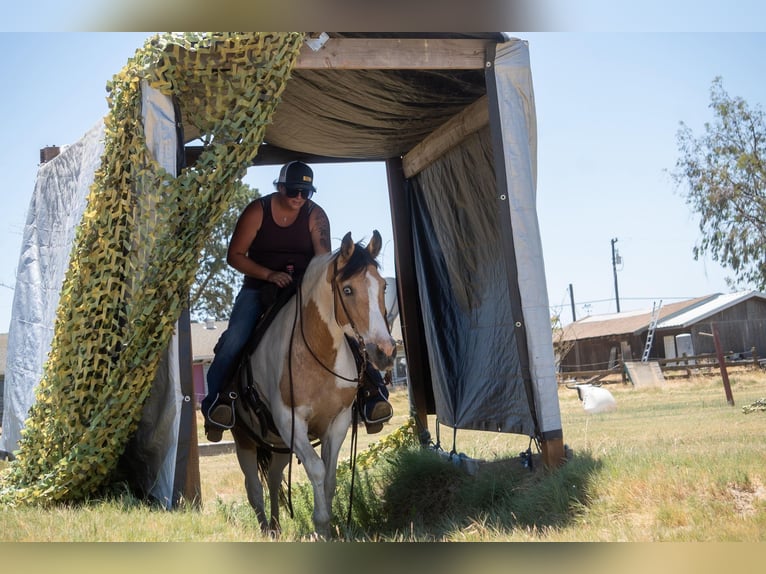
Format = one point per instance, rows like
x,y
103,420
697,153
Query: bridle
x,y
359,338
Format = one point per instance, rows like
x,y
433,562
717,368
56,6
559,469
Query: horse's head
x,y
359,298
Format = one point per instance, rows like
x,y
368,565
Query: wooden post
x,y
187,484
722,365
418,372
553,452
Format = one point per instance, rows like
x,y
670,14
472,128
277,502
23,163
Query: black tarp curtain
x,y
464,293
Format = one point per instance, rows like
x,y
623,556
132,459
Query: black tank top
x,y
279,248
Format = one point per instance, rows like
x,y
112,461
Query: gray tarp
x,y
56,209
462,279
150,456
518,123
58,202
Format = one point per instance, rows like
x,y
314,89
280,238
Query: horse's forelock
x,y
359,261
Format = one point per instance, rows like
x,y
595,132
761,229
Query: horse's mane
x,y
358,262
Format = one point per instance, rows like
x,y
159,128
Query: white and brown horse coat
x,y
306,374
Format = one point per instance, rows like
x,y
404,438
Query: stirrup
x,y
381,417
222,415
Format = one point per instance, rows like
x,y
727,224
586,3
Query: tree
x,y
216,283
725,177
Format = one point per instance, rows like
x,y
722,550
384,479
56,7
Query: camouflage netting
x,y
136,251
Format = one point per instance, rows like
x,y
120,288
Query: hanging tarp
x,y
515,124
55,210
462,279
480,270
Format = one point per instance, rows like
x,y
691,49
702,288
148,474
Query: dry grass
x,y
669,464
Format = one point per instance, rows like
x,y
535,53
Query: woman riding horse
x,y
273,241
307,375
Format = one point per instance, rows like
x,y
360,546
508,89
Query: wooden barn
x,y
682,328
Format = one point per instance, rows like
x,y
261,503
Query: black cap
x,y
296,174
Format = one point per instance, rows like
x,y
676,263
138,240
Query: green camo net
x,y
136,251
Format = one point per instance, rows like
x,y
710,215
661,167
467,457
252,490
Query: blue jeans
x,y
244,316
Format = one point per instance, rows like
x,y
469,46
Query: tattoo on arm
x,y
323,230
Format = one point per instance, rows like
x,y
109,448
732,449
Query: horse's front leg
x,y
331,444
315,470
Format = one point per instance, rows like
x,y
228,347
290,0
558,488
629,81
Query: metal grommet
x,y
518,323
488,64
502,197
187,398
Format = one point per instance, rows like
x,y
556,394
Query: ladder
x,y
650,333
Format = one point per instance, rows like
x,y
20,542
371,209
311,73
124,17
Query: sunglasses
x,y
294,191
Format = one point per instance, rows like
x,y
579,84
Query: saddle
x,y
273,298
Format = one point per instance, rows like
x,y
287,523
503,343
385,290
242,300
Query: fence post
x,y
722,365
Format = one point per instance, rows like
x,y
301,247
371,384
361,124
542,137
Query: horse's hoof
x,y
317,537
273,533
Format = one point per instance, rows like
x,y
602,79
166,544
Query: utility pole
x,y
615,259
571,300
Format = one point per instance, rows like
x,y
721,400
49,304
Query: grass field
x,y
675,463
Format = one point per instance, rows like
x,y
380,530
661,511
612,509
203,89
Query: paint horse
x,y
306,376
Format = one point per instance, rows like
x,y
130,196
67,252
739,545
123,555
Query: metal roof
x,y
672,316
626,323
700,312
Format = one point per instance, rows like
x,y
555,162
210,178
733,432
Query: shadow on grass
x,y
419,495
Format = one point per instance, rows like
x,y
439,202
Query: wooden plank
x,y
445,137
395,54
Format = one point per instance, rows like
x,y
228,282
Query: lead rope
x,y
355,413
352,461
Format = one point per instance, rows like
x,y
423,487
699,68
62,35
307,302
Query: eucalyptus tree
x,y
722,174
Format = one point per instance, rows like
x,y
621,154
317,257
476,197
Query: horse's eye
x,y
347,290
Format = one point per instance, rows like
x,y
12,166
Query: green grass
x,y
669,464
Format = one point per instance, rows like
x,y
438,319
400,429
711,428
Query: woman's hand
x,y
280,278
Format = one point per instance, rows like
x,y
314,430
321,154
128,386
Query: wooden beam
x,y
419,382
273,155
445,137
395,54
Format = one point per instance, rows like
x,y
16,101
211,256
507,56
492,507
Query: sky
x,y
608,107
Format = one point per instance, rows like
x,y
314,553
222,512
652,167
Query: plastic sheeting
x,y
368,114
57,204
462,279
516,106
480,270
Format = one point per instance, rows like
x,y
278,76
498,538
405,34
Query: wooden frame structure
x,y
405,53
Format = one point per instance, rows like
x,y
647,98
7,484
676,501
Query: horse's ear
x,y
375,244
347,246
